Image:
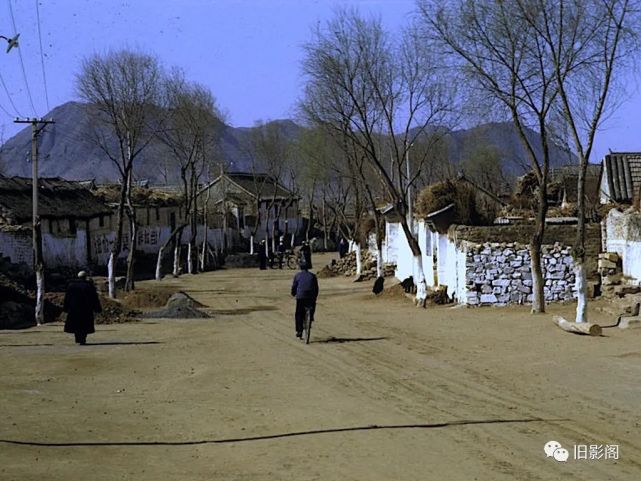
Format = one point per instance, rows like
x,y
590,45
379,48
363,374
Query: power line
x,y
4,85
42,58
24,72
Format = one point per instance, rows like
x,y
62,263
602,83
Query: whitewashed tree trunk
x,y
359,261
190,259
159,263
40,295
421,285
251,244
176,271
111,278
581,287
379,263
351,245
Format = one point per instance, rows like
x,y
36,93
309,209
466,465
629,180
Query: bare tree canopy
x,y
123,87
549,64
380,94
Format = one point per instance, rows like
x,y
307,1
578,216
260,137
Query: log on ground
x,y
586,328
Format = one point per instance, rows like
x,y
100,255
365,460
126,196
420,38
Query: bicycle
x,y
291,259
307,324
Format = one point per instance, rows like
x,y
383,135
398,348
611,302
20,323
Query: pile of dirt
x,y
325,273
396,291
146,298
179,306
17,305
113,311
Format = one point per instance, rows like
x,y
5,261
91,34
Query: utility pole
x,y
37,126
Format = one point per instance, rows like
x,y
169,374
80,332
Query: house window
x,y
101,221
157,213
72,226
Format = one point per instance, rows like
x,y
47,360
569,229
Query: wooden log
x,y
586,328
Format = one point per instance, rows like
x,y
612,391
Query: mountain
x,y
66,149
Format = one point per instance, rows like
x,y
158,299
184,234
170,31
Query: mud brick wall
x,y
500,273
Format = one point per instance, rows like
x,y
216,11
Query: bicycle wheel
x,y
292,262
307,325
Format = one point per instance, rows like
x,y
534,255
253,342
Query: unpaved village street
x,y
385,392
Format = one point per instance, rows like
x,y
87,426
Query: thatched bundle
x,y
437,196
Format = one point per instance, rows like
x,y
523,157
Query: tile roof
x,y
58,198
623,175
260,183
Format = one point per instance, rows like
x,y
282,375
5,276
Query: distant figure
x,y
306,254
305,289
262,256
342,248
281,253
81,301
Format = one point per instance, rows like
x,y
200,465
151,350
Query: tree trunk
x,y
251,244
421,285
176,270
129,281
159,263
359,261
117,244
324,214
538,293
40,294
580,275
190,259
581,286
111,278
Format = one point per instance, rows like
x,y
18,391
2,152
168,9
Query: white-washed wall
x,y
426,241
17,245
65,251
623,236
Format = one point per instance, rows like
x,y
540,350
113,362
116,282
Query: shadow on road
x,y
371,427
25,345
340,340
241,310
122,343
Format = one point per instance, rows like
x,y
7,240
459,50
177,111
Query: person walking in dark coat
x,y
342,248
262,256
281,249
306,254
81,301
305,289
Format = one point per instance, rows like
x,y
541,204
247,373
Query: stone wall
x,y
521,234
500,274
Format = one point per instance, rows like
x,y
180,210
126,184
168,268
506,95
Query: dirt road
x,y
384,392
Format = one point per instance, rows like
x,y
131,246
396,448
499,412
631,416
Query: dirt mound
x,y
326,273
144,298
113,311
396,291
179,306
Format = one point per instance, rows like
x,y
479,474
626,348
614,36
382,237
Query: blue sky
x,y
248,52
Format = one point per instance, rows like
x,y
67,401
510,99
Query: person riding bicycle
x,y
305,289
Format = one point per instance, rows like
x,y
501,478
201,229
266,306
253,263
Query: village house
x,y
620,188
158,213
71,216
254,205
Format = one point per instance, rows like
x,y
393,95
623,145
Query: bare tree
x,y
587,43
499,53
191,130
382,94
270,156
122,88
550,64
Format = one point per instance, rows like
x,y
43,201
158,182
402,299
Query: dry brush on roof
x,y
140,196
440,195
58,198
